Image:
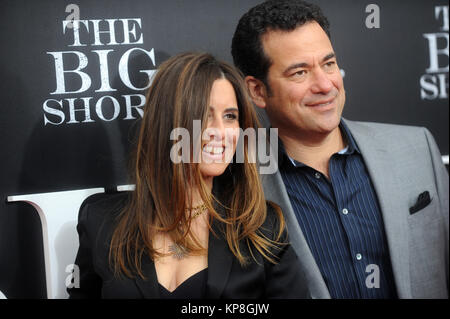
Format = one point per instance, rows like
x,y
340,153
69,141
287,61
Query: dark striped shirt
x,y
341,221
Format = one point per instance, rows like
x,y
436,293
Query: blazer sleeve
x,y
285,279
90,282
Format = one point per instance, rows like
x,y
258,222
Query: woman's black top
x,y
192,288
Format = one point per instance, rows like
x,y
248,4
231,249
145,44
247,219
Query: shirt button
x,y
345,211
358,256
317,175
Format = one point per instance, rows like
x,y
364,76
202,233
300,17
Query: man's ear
x,y
257,91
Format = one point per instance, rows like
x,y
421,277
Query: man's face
x,y
306,89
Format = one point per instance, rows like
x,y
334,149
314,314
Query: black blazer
x,y
226,278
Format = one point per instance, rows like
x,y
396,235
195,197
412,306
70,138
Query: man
x,y
366,204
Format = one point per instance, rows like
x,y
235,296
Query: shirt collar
x,y
350,148
348,139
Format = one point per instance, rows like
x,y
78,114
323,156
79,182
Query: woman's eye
x,y
231,116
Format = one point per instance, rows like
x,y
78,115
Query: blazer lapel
x,y
149,287
382,170
275,191
220,260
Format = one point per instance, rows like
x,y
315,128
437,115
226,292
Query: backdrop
x,y
71,93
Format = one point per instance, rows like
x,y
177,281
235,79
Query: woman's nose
x,y
216,129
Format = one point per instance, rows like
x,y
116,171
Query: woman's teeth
x,y
213,150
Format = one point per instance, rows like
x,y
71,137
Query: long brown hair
x,y
179,95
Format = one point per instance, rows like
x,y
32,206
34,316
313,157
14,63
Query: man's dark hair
x,y
247,50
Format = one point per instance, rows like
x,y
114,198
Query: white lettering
x,y
104,73
110,31
127,31
59,69
75,26
437,12
86,110
429,89
193,309
129,107
57,111
99,108
434,86
58,212
435,52
123,68
53,111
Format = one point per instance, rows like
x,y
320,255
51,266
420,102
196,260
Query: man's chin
x,y
328,126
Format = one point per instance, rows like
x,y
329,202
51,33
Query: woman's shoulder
x,y
102,208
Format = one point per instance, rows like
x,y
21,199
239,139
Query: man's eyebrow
x,y
304,64
329,56
295,66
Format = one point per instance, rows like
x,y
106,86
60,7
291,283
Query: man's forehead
x,y
302,44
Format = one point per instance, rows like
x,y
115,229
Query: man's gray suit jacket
x,y
403,162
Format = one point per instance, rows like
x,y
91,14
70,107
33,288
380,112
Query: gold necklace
x,y
197,210
179,251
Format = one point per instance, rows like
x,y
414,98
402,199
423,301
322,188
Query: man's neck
x,y
314,150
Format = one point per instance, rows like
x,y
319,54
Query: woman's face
x,y
222,130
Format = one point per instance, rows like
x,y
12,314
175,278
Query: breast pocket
x,y
425,216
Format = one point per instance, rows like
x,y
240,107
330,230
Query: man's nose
x,y
321,82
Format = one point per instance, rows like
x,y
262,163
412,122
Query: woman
x,y
197,224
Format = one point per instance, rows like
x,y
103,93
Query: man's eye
x,y
300,73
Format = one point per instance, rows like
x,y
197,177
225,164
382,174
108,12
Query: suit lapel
x,y
275,191
382,168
